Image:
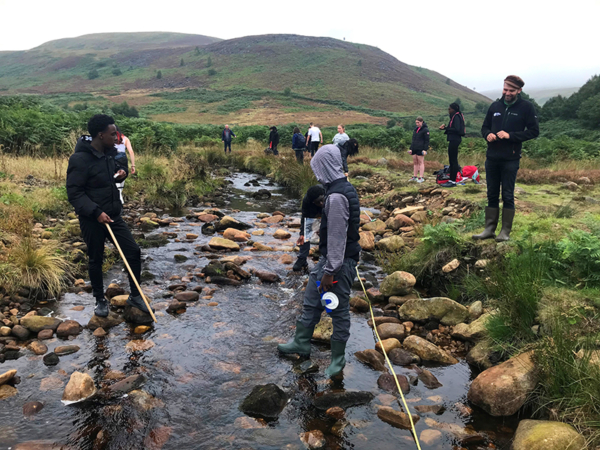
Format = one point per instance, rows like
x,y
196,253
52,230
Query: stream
x,y
205,361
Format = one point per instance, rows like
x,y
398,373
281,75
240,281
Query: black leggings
x,y
453,158
299,155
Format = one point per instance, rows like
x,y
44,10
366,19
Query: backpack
x,y
443,175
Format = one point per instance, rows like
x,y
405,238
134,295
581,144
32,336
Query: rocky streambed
x,y
208,376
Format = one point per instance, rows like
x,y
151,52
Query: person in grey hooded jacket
x,y
336,270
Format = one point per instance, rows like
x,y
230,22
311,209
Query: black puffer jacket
x,y
420,138
274,138
91,184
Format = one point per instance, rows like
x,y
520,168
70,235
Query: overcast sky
x,y
474,42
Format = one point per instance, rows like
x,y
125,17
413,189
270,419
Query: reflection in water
x,y
206,360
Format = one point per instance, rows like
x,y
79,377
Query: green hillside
x,y
321,76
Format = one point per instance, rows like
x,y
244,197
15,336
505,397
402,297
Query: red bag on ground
x,y
470,172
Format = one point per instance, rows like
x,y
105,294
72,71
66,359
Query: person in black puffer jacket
x,y
454,133
418,149
92,175
274,140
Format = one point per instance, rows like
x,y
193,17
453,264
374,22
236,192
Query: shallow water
x,y
206,360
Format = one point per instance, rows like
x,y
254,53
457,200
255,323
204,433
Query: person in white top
x,y
123,145
341,136
316,138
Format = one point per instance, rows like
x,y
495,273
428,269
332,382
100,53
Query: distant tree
x,y
360,63
93,74
209,62
458,101
448,81
130,68
181,63
212,72
124,109
158,75
527,97
287,91
481,107
391,123
589,112
197,50
116,72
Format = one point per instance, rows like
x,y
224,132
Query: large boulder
x,y
131,314
399,221
230,222
112,320
367,241
68,328
391,244
236,235
265,401
376,226
398,283
547,435
391,330
372,358
80,387
502,390
218,243
427,351
35,324
445,310
474,331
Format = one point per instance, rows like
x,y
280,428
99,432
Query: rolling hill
x,y
254,79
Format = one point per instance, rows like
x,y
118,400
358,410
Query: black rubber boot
x,y
491,223
138,302
301,342
338,359
101,309
507,220
300,264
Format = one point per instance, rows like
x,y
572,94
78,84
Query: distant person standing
x,y
418,149
341,135
274,140
123,147
509,122
298,145
316,138
226,137
454,133
312,208
347,149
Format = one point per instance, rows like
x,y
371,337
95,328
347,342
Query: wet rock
x,y
430,437
7,376
224,281
51,359
119,301
372,358
258,233
481,356
265,401
114,290
5,331
208,229
191,236
375,226
324,329
37,347
139,345
176,306
80,387
7,391
157,438
395,418
286,259
387,382
218,243
66,350
131,314
206,217
444,310
141,329
427,351
265,275
99,332
401,357
68,328
281,234
359,303
272,219
20,332
344,400
187,296
32,408
177,286
35,324
307,367
262,248
336,412
400,300
391,330
547,435
124,386
367,241
236,235
144,401
382,319
180,258
230,222
435,409
387,345
41,444
474,331
502,390
375,295
313,440
391,244
398,283
427,378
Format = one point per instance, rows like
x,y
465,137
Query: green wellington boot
x,y
301,342
338,359
491,223
507,221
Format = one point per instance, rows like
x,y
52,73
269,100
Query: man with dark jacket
x,y
509,122
226,137
92,175
312,208
274,140
336,270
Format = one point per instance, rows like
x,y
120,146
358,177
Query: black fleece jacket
x,y
91,187
274,138
420,138
456,128
519,120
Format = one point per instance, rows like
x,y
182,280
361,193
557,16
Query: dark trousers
x,y
501,173
313,147
95,234
227,144
453,158
274,150
312,307
299,155
304,250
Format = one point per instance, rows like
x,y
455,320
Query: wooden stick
x,y
130,271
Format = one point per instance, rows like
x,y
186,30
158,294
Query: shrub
x,y
212,72
159,75
93,74
116,72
